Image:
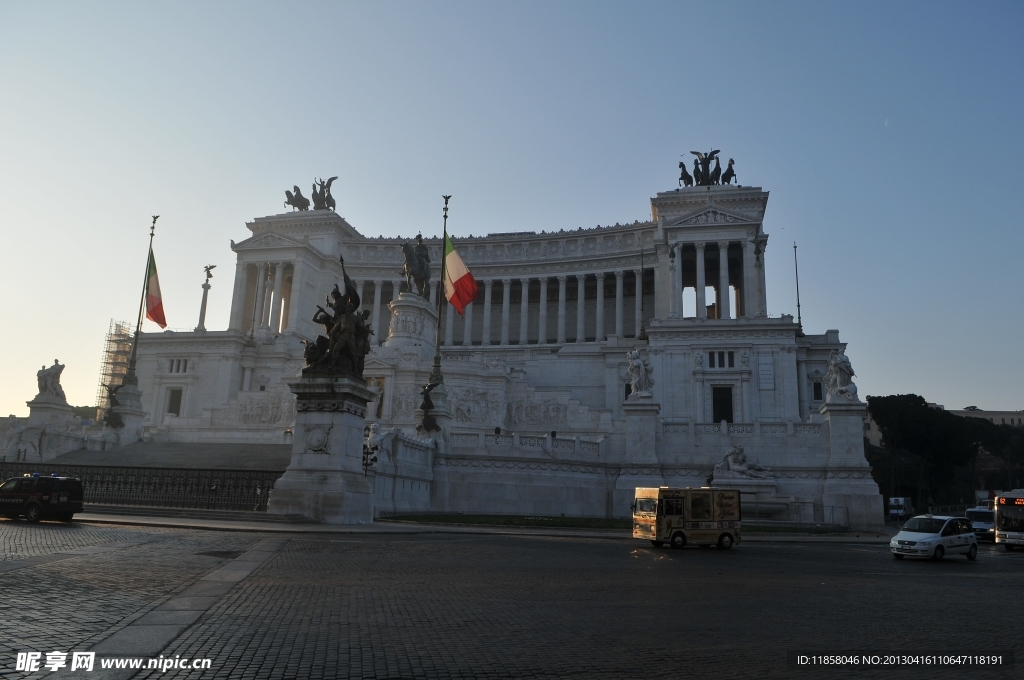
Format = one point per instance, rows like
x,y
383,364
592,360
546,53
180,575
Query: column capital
x,y
699,245
724,245
562,279
506,282
378,282
636,272
619,274
600,275
489,283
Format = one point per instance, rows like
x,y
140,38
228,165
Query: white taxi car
x,y
935,537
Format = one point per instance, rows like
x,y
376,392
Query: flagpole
x,y
796,269
130,378
435,374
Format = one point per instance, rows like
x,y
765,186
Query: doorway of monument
x,y
721,404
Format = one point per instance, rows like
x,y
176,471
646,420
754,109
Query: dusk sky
x,y
888,133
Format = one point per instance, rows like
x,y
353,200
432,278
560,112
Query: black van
x,y
36,497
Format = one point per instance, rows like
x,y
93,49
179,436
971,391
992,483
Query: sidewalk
x,y
414,528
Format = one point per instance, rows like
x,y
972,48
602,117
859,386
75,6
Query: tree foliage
x,y
942,443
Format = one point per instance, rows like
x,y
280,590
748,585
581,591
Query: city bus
x,y
681,517
1009,509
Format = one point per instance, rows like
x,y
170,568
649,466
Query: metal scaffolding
x,y
116,352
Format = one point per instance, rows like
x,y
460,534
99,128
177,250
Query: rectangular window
x,y
732,360
817,391
711,359
174,401
177,366
673,506
721,359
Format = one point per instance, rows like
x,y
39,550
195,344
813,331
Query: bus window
x,y
673,506
700,506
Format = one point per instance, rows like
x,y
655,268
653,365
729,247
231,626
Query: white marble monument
x,y
538,370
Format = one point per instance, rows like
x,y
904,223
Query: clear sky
x,y
888,133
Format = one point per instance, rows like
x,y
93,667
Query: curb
x,y
412,529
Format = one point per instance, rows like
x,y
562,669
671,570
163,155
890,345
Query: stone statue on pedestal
x,y
49,381
838,378
734,465
343,350
640,372
417,265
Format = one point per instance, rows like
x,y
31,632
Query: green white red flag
x,y
459,285
154,301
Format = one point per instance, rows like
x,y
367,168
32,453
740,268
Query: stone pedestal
x,y
325,479
49,411
133,415
640,465
413,324
848,482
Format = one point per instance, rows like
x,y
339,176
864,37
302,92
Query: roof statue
x,y
703,174
322,199
297,201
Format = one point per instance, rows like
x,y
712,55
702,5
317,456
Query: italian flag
x,y
459,285
154,301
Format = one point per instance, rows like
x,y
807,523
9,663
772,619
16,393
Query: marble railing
x,y
752,429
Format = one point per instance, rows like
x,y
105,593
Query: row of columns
x,y
270,302
542,321
753,281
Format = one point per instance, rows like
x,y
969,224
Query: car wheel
x,y
724,542
939,553
899,557
657,544
972,554
33,513
678,540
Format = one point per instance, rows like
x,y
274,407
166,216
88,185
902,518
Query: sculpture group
x,y
703,173
640,372
322,199
343,350
839,378
49,381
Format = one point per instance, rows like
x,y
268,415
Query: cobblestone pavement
x,y
450,606
502,607
74,602
19,539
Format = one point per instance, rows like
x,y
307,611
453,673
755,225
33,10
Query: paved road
x,y
478,606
